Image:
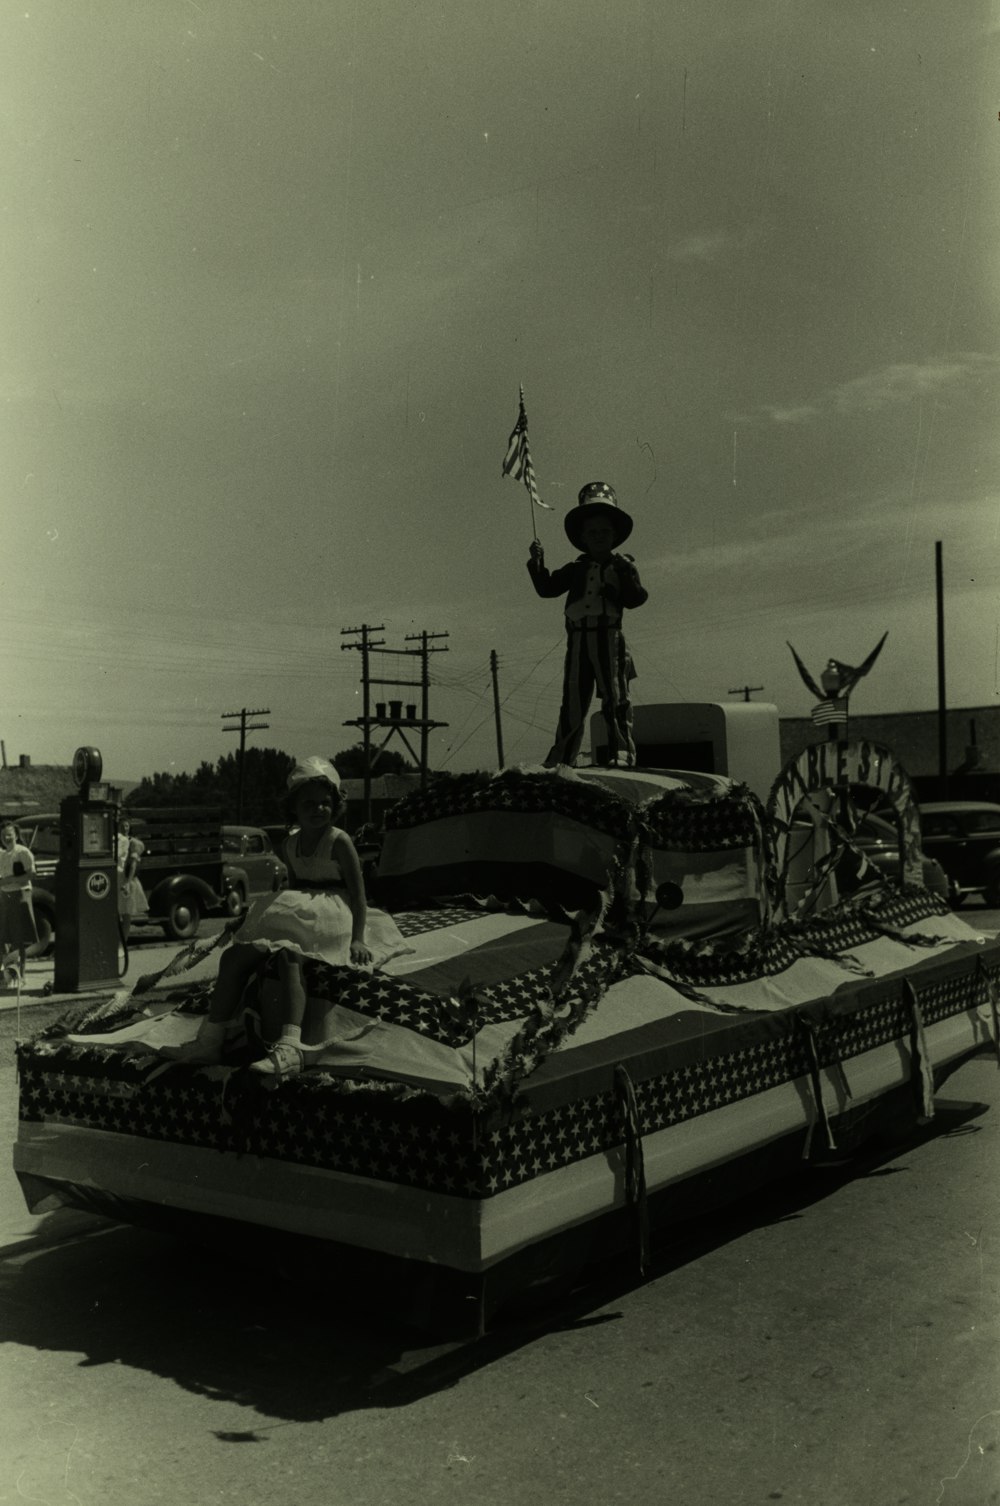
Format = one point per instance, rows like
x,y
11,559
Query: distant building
x,y
972,736
386,789
33,789
28,789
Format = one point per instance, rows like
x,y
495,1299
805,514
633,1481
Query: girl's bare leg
x,y
293,990
236,967
284,1059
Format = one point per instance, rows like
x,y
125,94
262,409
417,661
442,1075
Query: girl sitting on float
x,y
323,914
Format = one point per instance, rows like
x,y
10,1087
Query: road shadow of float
x,y
269,1322
284,1326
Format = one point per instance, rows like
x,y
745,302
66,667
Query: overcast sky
x,y
274,270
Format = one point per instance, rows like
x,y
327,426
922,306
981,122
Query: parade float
x,y
563,1065
630,992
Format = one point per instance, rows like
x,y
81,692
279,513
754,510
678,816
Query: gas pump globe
x,y
86,949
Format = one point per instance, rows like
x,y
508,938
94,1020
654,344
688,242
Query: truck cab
x,y
193,865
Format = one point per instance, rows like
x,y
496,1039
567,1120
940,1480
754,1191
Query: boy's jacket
x,y
571,580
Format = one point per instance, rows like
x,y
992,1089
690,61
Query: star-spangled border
x,y
761,952
681,820
510,791
414,1140
452,1021
695,821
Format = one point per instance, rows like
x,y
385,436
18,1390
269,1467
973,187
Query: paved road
x,y
835,1344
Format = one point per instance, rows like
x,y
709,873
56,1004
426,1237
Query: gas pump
x,y
86,950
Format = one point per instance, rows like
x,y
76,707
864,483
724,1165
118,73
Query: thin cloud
x,y
711,245
892,386
785,544
797,414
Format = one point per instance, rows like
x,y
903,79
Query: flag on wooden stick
x,y
517,461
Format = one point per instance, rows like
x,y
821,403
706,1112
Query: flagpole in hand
x,y
517,463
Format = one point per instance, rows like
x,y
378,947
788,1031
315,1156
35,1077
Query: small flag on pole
x,y
830,712
517,461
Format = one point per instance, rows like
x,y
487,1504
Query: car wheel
x,y
955,897
183,919
991,891
236,901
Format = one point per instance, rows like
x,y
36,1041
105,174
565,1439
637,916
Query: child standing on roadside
x,y
323,914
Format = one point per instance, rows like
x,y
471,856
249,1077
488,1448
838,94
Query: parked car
x,y
879,841
877,838
180,889
251,866
964,836
41,834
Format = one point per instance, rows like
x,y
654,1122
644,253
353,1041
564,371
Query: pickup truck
x,y
193,865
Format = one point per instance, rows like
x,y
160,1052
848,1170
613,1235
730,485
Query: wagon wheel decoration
x,y
815,809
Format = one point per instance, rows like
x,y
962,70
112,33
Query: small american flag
x,y
517,461
829,711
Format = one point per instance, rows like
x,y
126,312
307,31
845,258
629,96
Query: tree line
x,y
265,772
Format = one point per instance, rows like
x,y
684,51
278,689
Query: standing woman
x,y
132,903
17,918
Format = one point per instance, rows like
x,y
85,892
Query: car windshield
x,y
936,824
43,840
981,821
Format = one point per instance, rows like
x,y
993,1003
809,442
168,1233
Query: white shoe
x,y
283,1059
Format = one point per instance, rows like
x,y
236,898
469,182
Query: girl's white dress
x,y
314,919
132,902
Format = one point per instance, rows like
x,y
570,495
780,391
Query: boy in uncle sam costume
x,y
598,586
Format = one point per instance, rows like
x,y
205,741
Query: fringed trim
x,y
554,1018
921,1074
189,956
806,948
824,868
808,1030
687,990
763,865
993,998
643,872
635,1170
918,939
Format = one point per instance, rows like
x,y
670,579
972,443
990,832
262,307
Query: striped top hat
x,y
597,500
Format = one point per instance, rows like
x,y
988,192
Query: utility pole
x,y
745,690
496,706
365,646
394,720
942,697
425,683
243,728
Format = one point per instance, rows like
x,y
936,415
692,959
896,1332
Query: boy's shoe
x,y
196,1053
283,1060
